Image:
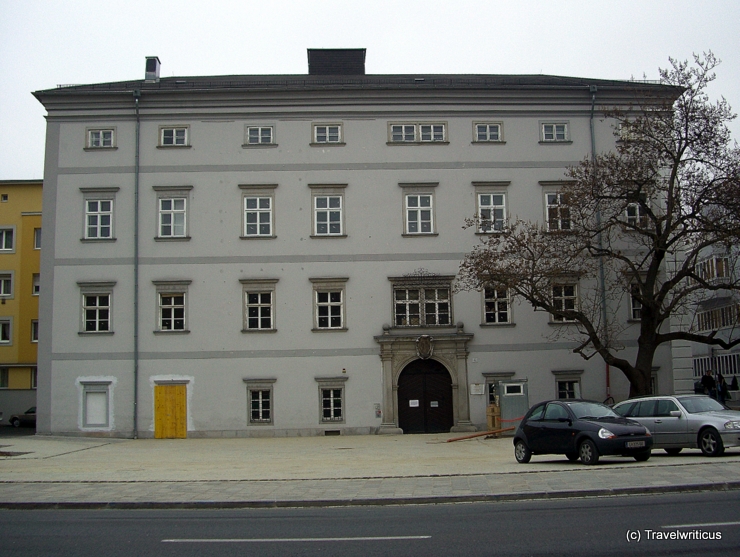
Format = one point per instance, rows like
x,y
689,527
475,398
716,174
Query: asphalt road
x,y
577,527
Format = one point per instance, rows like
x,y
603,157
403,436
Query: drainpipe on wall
x,y
137,96
602,281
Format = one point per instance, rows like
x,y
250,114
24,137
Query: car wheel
x,y
643,457
15,423
710,442
673,452
572,456
522,452
588,453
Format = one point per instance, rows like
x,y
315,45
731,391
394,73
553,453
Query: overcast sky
x,y
44,43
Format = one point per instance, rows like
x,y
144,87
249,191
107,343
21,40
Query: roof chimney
x,y
151,73
336,61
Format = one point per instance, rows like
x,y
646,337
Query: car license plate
x,y
635,444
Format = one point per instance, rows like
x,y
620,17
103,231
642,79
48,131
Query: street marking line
x,y
288,540
703,525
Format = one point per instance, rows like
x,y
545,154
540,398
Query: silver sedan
x,y
685,422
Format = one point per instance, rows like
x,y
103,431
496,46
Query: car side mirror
x,y
675,413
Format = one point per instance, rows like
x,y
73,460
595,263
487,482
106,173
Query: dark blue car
x,y
579,429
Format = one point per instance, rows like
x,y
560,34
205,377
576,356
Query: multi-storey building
x,y
20,245
276,255
718,311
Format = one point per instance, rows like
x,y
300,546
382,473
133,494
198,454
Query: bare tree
x,y
634,225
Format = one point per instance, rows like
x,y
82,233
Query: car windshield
x,y
591,410
697,404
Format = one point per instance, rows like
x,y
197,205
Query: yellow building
x,y
20,247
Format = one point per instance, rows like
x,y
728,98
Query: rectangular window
x,y
558,212
172,308
36,285
259,305
564,298
636,216
635,303
554,132
173,137
329,304
96,312
172,311
492,212
436,306
332,405
401,133
36,238
98,218
419,215
172,212
569,389
329,309
257,216
409,302
259,135
714,269
433,132
6,285
407,307
6,239
34,330
487,132
5,331
172,217
260,407
497,308
327,133
328,210
328,215
259,310
98,213
100,139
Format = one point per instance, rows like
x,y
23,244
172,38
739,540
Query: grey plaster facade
x,y
214,262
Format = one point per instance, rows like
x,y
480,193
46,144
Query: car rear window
x,y
592,410
644,409
697,404
665,407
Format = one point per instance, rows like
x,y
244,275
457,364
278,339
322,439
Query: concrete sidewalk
x,y
43,472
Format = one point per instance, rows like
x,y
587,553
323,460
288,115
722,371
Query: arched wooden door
x,y
425,398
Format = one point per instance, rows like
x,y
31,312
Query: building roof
x,y
398,82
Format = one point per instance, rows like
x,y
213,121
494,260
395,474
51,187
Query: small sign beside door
x,y
434,404
413,403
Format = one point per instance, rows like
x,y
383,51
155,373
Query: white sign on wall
x,y
477,389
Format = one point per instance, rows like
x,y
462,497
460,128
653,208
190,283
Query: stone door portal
x,y
425,398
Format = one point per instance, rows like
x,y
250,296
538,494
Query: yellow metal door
x,y
170,412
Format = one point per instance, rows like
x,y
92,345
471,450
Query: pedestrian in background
x,y
709,384
723,391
